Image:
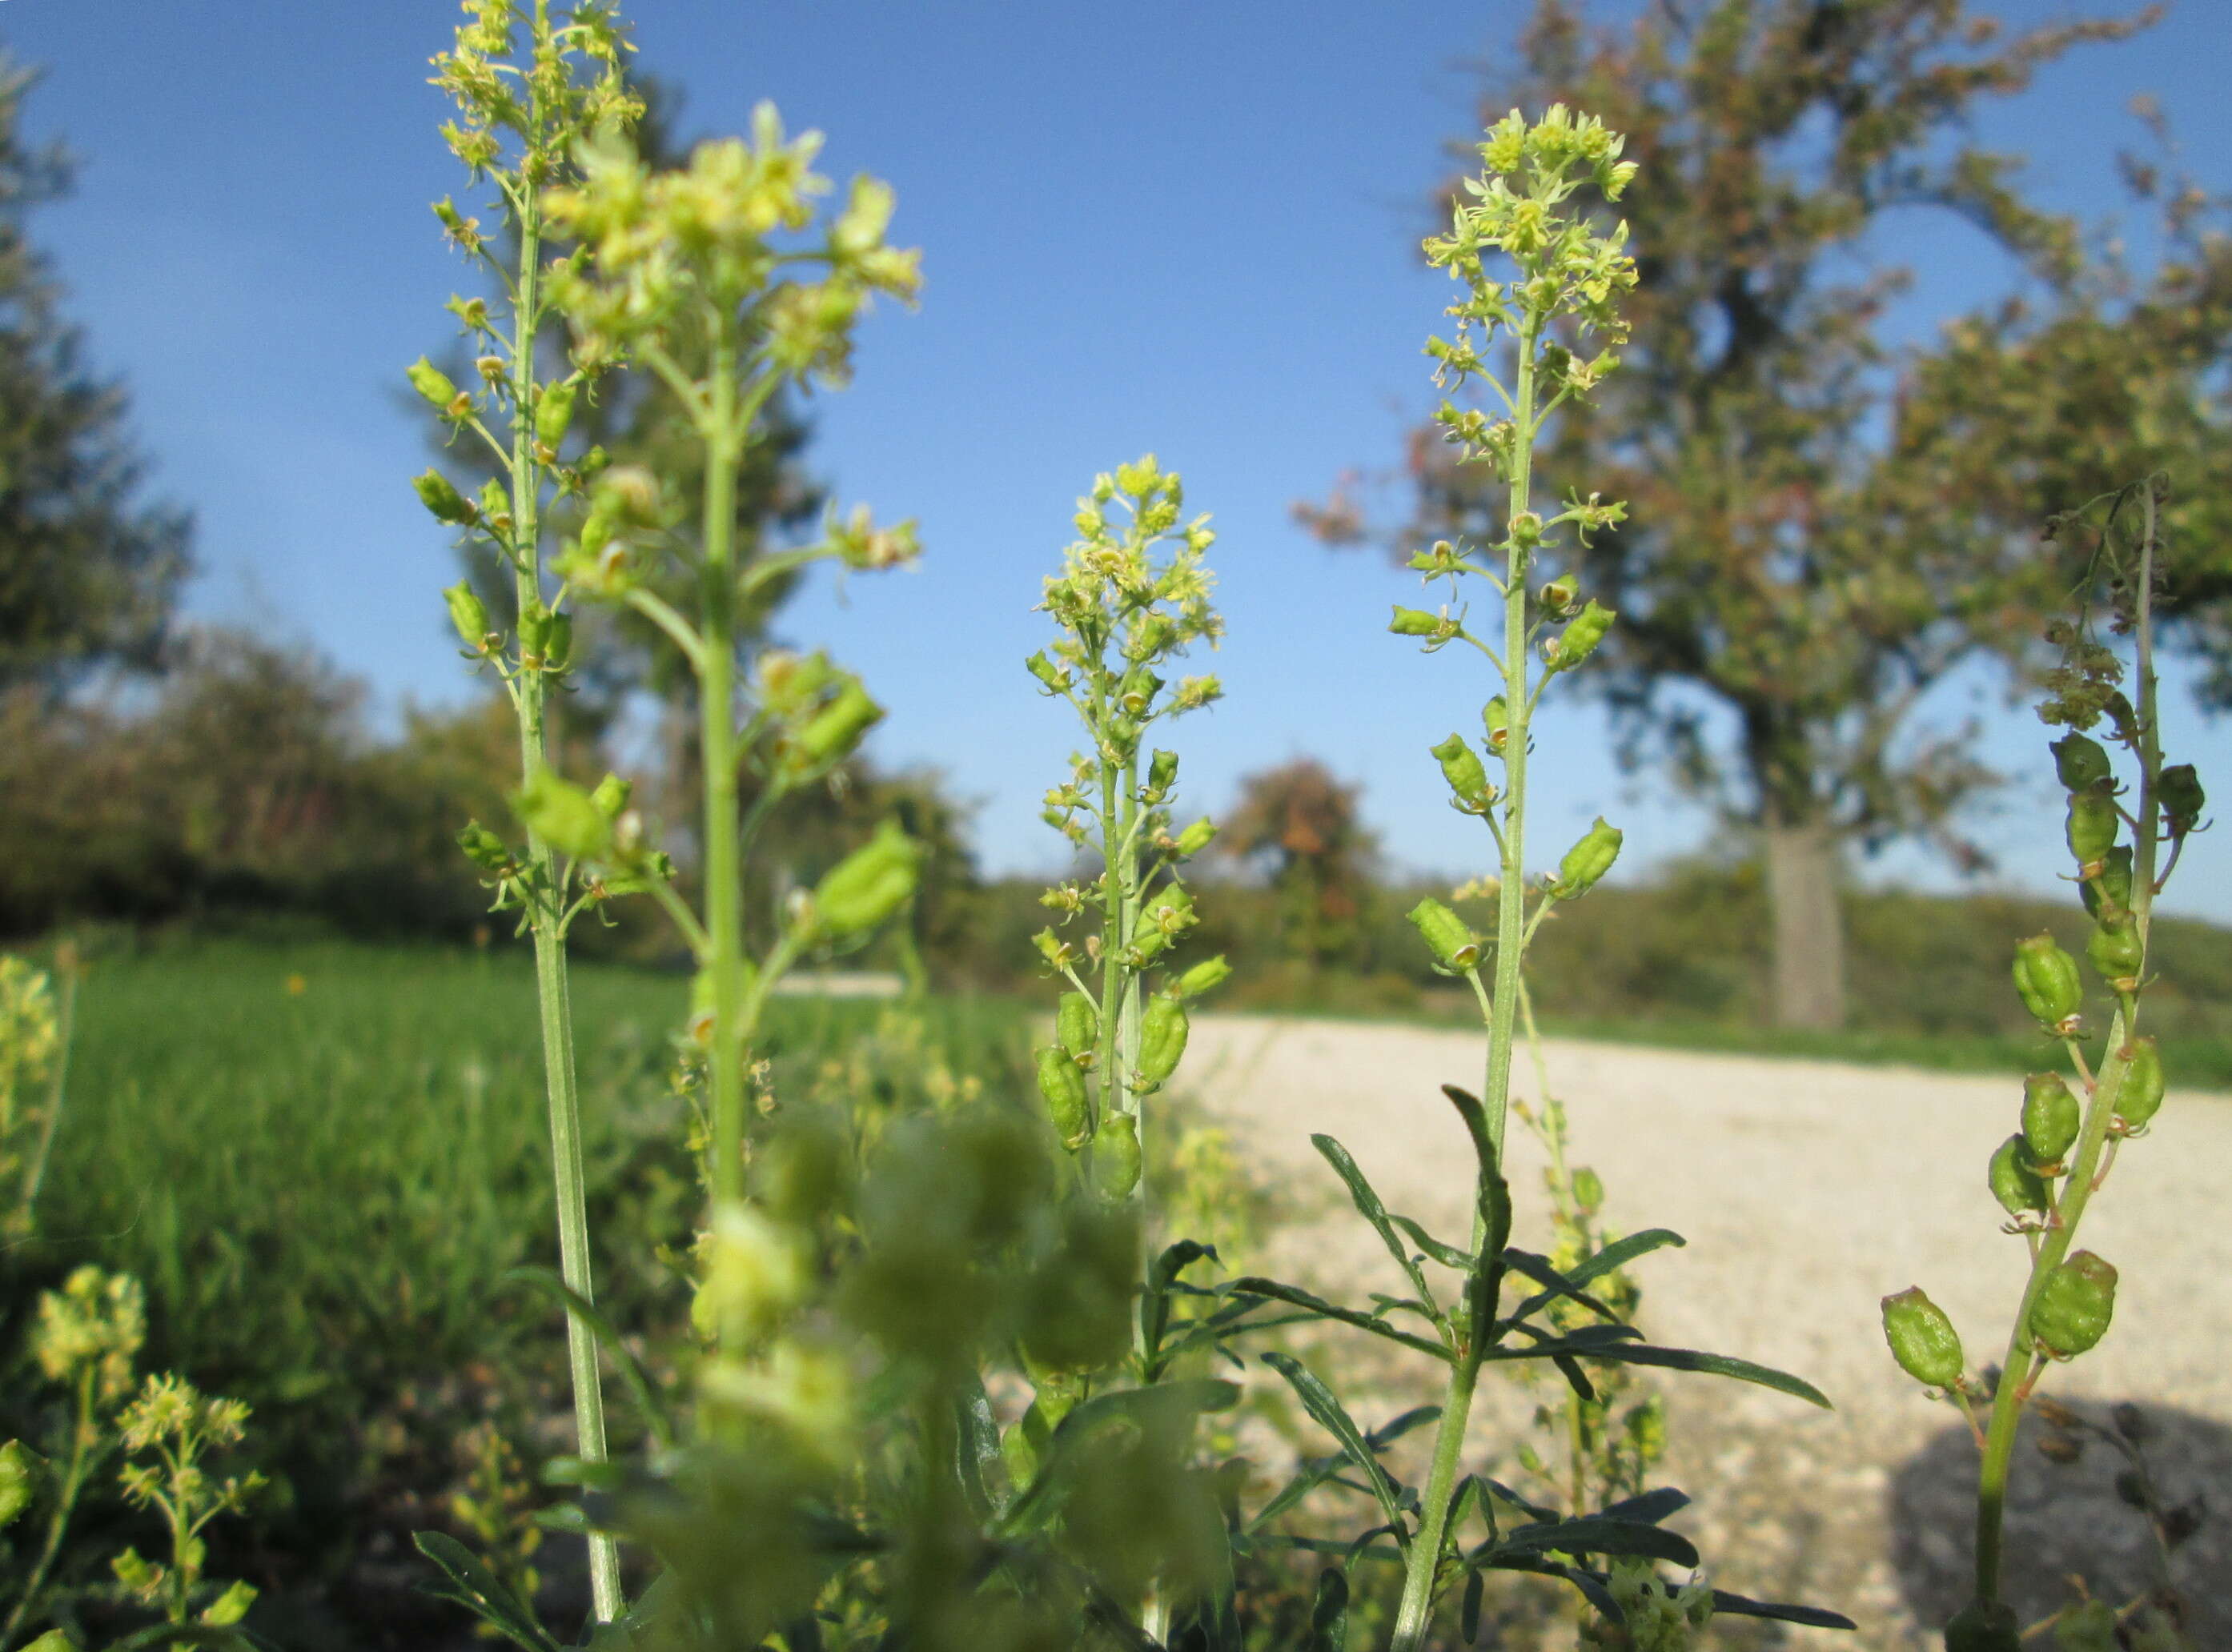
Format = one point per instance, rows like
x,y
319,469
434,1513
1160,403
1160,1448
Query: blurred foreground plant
x,y
2045,1175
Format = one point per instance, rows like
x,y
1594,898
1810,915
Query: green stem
x,y
1422,1571
724,920
82,1435
552,994
65,1026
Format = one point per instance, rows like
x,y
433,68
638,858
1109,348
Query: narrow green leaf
x,y
1621,1251
1448,1255
1321,1403
1329,1613
1593,1534
648,1402
1369,1207
1651,1506
1813,1617
1555,1284
1679,1360
1469,1613
1319,1308
480,1592
1155,1300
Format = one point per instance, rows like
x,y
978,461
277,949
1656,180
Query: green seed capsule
x,y
2108,892
437,493
1587,861
2046,976
1061,1081
2020,1190
1414,622
485,849
1447,936
612,796
1581,635
2081,762
1559,596
1116,1155
561,813
2093,824
558,646
1048,672
1196,837
2051,1118
18,1477
1984,1626
1468,779
833,731
432,383
1923,1339
1163,1030
1496,721
1077,1024
1162,775
554,414
469,614
868,886
2115,949
2140,1097
1209,973
2074,1305
2182,800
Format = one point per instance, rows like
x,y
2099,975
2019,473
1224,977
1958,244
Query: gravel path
x,y
1806,1190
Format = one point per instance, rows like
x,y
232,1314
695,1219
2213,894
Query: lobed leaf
x,y
1317,1307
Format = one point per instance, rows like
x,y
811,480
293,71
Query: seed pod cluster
x,y
1163,1030
2015,1182
1587,861
1448,937
2140,1096
1469,791
2051,1118
1062,1084
2045,979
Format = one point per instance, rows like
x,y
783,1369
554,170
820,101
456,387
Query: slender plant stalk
x,y
68,966
546,915
724,920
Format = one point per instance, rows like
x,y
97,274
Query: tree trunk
x,y
1809,929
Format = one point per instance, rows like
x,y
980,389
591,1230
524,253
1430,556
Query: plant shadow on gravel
x,y
2078,1515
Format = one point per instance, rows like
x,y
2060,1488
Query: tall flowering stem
x,y
1563,293
1127,605
520,113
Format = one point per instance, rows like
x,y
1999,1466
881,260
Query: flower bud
x,y
432,383
18,1478
1077,1025
554,414
1461,768
1923,1339
2182,798
2081,762
1163,1029
1116,1155
1581,635
1588,1189
437,493
1061,1082
561,813
1415,622
2116,950
2019,1188
469,614
2093,824
868,886
1205,976
1447,936
612,796
2074,1305
2045,977
2140,1097
1196,837
1587,861
2051,1118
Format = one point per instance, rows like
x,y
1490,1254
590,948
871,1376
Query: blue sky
x,y
1183,229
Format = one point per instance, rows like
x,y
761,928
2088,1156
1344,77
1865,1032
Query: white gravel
x,y
1806,1190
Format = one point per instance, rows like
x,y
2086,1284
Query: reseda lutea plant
x,y
2044,1176
1123,615
521,115
1567,282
